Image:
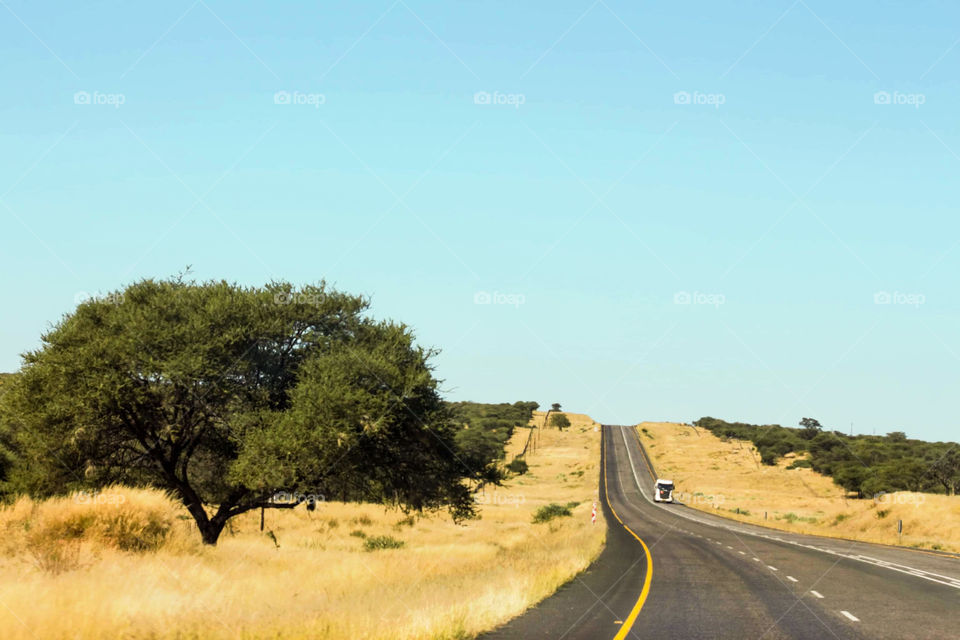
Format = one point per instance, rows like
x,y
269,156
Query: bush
x,y
560,421
126,519
802,463
518,466
551,511
377,543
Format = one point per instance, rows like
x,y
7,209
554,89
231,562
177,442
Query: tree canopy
x,y
229,396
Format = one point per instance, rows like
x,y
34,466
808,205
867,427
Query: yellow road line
x,y
628,623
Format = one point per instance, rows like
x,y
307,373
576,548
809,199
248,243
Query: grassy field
x,y
725,477
128,563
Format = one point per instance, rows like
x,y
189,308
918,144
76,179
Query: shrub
x,y
377,543
137,520
883,513
518,466
357,533
551,511
802,463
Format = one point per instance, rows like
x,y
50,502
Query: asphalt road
x,y
708,577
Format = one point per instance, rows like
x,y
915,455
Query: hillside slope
x,y
725,477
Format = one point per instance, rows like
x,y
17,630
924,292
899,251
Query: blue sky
x,y
644,212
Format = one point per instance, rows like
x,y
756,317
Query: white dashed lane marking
x,y
792,579
772,568
850,616
816,593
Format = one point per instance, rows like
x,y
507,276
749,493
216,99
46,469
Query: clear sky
x,y
643,211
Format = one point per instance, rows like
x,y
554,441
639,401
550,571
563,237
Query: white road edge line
x,y
850,616
816,593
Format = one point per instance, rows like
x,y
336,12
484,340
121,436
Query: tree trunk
x,y
210,531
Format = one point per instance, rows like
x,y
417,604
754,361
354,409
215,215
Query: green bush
x,y
551,511
518,466
381,542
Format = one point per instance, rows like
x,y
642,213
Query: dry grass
x,y
447,581
723,476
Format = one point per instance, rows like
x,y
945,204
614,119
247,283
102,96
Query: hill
x,y
725,476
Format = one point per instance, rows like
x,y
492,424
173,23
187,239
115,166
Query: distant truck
x,y
663,491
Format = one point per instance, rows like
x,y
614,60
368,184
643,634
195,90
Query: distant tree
x,y
228,396
810,428
897,436
555,406
945,470
560,421
851,476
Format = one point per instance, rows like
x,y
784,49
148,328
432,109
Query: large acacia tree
x,y
228,396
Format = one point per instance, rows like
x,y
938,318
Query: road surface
x,y
669,571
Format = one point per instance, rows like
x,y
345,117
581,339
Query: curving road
x,y
668,571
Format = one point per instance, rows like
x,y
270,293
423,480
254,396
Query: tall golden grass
x,y
726,478
129,564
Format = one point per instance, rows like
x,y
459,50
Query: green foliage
x,y
485,430
518,466
553,510
229,395
377,543
560,421
865,465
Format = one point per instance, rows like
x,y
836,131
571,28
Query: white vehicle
x,y
663,491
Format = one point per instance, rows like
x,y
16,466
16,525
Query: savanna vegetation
x,y
862,464
724,475
128,563
237,399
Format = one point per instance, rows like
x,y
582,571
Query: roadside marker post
x,y
899,531
593,514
